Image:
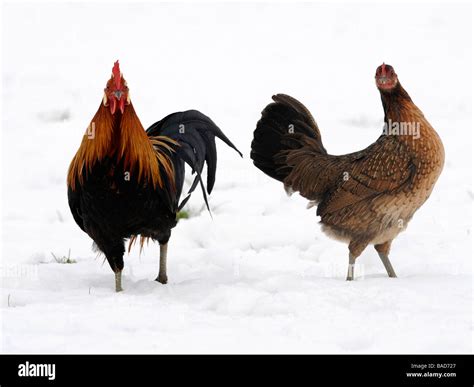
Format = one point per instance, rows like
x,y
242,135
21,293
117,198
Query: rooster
x,y
365,197
124,182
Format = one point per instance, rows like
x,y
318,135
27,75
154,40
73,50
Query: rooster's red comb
x,y
116,74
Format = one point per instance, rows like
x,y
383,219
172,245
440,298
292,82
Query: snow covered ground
x,y
260,276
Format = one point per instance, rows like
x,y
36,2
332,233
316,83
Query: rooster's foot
x,y
162,279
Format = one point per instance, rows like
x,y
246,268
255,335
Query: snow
x,y
259,276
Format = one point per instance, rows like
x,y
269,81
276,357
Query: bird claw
x,y
350,272
162,279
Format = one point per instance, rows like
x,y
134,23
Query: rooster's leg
x,y
113,251
162,277
383,250
118,281
355,249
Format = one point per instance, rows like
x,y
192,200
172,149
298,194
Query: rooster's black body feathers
x,y
111,206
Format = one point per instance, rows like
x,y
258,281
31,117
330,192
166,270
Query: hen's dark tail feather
x,y
283,125
196,135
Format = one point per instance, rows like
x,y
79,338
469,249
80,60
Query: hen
x,y
366,197
124,182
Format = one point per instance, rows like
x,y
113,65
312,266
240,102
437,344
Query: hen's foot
x,y
388,266
350,272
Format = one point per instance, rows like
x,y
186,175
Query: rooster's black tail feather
x,y
195,133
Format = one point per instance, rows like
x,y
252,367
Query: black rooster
x,y
124,182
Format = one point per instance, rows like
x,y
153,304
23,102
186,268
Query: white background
x,y
260,276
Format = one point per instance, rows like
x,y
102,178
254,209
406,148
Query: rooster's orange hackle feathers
x,y
125,140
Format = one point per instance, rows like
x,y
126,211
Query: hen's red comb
x,y
116,74
384,71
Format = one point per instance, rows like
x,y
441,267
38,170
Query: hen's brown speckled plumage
x,y
366,197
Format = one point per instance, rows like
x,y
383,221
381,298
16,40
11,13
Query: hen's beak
x,y
385,83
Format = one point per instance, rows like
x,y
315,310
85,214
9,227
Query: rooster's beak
x,y
117,99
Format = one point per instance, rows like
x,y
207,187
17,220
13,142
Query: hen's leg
x,y
162,277
355,249
383,249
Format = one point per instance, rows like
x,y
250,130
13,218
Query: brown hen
x,y
366,197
